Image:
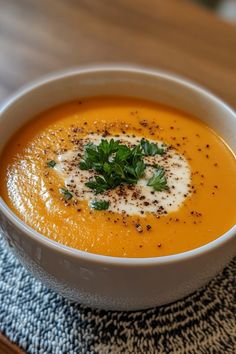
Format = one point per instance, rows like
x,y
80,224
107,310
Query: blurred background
x,y
194,38
225,8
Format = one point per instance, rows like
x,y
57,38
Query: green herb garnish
x,y
51,163
67,195
158,181
151,149
99,185
116,164
99,204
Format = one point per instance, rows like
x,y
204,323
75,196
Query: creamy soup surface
x,y
120,177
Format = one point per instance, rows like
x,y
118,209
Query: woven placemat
x,y
41,322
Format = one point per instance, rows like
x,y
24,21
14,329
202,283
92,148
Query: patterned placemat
x,y
42,322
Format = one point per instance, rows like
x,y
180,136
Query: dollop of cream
x,y
136,199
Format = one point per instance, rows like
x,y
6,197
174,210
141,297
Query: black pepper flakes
x,y
139,227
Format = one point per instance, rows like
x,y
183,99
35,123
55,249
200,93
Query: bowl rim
x,y
98,258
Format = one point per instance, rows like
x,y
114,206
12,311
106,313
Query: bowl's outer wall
x,y
113,286
108,285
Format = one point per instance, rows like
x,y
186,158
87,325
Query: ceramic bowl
x,y
102,281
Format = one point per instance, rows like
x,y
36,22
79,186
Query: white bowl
x,y
102,281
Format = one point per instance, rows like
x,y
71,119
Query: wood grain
x,y
38,37
6,347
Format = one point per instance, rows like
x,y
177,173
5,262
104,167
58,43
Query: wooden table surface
x,y
38,37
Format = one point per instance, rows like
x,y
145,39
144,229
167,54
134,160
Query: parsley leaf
x,y
139,169
151,149
99,204
67,195
123,153
96,155
51,163
84,165
116,163
158,181
99,185
136,171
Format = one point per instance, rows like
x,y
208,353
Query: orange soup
x,y
120,177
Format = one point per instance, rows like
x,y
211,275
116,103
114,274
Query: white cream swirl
x,y
135,199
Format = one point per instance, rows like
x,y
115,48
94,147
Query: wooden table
x,y
37,37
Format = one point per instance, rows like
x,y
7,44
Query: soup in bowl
x,y
117,185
